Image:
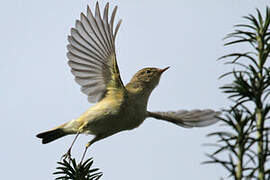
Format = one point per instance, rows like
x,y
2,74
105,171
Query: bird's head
x,y
147,78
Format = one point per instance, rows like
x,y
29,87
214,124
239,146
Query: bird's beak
x,y
163,70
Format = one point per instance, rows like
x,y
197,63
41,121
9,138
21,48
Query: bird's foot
x,y
67,155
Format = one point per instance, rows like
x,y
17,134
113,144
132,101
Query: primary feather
x,y
91,53
188,119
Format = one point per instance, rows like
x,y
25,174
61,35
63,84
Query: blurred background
x,y
37,90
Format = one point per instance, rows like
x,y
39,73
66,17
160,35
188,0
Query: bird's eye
x,y
148,71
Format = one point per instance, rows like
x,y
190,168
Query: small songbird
x,y
92,58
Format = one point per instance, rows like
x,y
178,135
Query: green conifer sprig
x,y
73,171
245,143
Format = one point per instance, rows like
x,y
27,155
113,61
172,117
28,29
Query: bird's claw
x,y
67,155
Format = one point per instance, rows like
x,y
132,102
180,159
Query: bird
x,y
118,107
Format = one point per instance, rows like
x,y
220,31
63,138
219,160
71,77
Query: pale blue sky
x,y
38,92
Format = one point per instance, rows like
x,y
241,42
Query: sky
x,y
38,92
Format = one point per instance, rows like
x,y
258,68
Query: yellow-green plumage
x,y
120,109
91,54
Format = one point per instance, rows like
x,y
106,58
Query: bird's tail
x,y
51,135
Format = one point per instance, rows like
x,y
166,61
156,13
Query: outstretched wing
x,y
91,54
188,119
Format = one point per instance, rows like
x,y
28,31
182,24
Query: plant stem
x,y
260,125
259,116
239,171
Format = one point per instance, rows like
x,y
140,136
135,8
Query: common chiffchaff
x,y
92,58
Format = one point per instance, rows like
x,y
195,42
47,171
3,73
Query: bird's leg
x,y
97,138
68,154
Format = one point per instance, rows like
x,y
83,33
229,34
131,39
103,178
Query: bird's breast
x,y
135,111
102,117
113,115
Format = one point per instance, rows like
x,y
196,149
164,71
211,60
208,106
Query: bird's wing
x,y
91,54
188,119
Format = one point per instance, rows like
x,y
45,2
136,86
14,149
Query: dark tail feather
x,y
51,135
